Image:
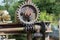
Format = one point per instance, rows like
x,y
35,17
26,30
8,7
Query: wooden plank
x,y
9,33
12,25
11,29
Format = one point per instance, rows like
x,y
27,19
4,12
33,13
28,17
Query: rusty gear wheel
x,y
30,8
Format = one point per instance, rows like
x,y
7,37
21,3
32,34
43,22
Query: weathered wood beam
x,y
12,25
11,29
9,33
2,33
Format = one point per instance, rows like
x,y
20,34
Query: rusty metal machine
x,y
26,16
27,13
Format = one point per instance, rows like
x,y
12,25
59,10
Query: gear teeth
x,y
34,4
38,13
18,11
31,4
17,16
23,4
38,10
18,6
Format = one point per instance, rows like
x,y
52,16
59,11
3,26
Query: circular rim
x,y
31,22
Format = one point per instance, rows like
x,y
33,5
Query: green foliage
x,y
12,12
50,6
19,37
11,6
44,16
2,8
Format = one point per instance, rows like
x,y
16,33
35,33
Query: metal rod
x,y
37,27
47,38
29,36
38,32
